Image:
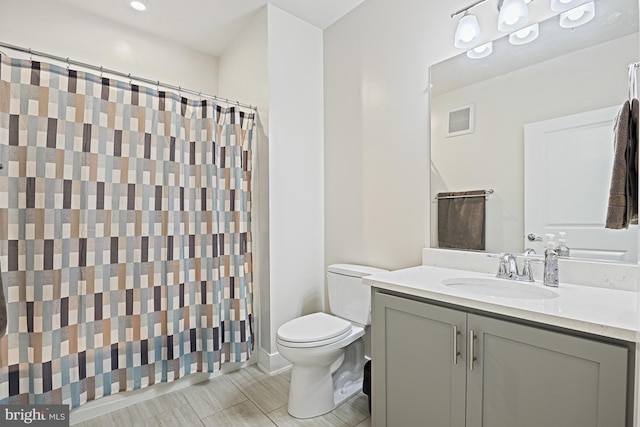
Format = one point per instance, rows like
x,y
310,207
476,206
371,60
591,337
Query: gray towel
x,y
623,192
461,220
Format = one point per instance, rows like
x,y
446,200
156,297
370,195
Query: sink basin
x,y
499,288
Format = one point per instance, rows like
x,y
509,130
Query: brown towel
x,y
461,220
623,193
3,310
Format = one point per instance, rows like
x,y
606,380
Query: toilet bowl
x,y
327,351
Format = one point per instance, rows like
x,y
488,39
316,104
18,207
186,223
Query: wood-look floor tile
x,y
152,407
365,423
240,398
245,414
112,419
267,392
286,374
354,410
243,378
213,396
282,419
182,416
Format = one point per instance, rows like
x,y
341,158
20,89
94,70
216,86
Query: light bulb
x,y
575,14
525,35
513,14
467,34
138,5
578,16
563,5
481,51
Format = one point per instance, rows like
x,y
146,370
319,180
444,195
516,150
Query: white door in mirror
x,y
567,176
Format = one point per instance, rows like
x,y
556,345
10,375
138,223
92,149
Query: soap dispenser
x,y
563,249
551,263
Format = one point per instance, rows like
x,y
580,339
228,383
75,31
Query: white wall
x,y
56,28
296,175
243,76
276,63
377,129
242,67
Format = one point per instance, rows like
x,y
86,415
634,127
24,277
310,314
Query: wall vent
x,y
461,120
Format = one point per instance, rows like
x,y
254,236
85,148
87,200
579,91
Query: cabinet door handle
x,y
456,353
472,352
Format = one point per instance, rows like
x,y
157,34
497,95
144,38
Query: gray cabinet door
x,y
415,381
529,377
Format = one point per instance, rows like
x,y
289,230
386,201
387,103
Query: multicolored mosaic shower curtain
x,y
125,241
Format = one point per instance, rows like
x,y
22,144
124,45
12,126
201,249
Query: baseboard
x,y
271,363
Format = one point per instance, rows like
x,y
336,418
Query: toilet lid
x,y
314,327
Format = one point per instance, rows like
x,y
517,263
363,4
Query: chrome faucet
x,y
508,268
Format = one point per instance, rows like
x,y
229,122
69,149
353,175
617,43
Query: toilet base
x,y
315,390
311,392
347,392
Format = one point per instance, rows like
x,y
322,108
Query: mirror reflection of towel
x,y
622,209
3,310
461,220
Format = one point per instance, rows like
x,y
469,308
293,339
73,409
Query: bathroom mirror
x,y
563,73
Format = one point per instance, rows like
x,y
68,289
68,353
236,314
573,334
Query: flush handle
x,y
472,352
456,353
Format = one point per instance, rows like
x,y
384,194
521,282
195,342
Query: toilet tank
x,y
348,297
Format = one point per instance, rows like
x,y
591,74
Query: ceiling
x,y
209,25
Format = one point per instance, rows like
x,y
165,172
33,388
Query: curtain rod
x,y
101,69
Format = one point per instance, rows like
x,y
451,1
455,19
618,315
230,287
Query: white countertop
x,y
606,312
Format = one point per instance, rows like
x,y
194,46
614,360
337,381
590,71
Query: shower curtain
x,y
125,243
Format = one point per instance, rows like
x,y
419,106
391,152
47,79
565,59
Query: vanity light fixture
x,y
468,29
467,32
525,35
481,51
562,5
139,5
578,16
513,14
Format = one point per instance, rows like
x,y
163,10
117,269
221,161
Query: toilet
x,y
327,350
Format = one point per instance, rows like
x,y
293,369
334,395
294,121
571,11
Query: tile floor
x,y
247,397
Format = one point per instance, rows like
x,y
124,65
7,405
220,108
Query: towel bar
x,y
486,193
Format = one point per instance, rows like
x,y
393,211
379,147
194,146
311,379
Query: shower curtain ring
x,y
130,81
30,55
68,63
101,71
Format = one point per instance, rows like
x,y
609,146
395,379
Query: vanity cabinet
x,y
437,366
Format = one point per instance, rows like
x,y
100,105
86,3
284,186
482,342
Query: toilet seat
x,y
313,330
